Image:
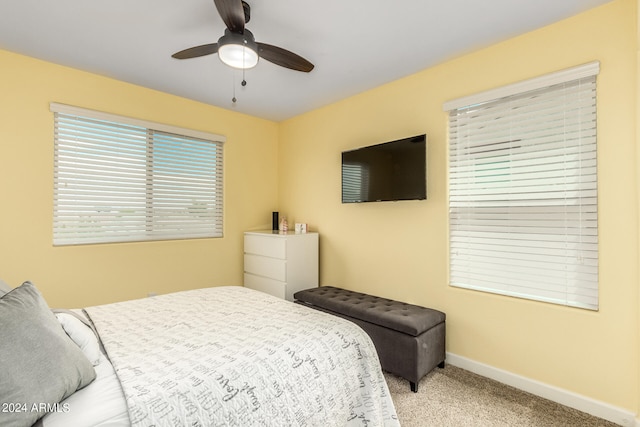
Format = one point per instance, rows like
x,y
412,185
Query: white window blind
x,y
523,193
118,179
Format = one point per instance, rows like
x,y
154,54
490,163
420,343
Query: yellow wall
x,y
399,250
637,130
97,274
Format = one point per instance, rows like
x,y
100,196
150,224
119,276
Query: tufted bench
x,y
409,339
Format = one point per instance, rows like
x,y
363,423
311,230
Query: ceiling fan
x,y
238,48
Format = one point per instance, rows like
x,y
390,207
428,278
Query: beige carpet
x,y
456,397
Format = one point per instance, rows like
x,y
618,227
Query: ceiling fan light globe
x,y
238,56
238,50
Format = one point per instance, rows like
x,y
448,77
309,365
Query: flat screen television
x,y
394,170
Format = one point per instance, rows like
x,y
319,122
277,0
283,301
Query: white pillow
x,y
82,335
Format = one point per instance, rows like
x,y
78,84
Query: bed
x,y
223,356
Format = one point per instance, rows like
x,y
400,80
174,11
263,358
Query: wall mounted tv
x,y
394,170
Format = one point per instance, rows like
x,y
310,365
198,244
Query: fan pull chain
x,y
234,88
244,53
243,83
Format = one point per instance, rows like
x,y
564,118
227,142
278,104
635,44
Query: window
x,y
523,189
118,179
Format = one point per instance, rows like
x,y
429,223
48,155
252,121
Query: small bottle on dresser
x,y
284,225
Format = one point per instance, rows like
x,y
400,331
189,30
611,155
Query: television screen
x,y
395,170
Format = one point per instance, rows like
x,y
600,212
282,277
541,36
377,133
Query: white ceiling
x,y
354,44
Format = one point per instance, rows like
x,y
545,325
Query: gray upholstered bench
x,y
409,339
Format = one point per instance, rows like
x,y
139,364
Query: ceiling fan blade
x,y
232,13
284,58
196,51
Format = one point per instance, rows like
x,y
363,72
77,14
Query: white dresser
x,y
280,264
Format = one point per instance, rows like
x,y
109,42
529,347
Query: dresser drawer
x,y
263,284
266,267
266,245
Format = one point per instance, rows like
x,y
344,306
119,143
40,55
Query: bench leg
x,y
414,386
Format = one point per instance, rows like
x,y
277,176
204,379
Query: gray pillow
x,y
4,288
41,365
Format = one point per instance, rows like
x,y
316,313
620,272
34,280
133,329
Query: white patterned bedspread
x,y
231,356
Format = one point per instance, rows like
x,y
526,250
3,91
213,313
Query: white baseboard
x,y
564,397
